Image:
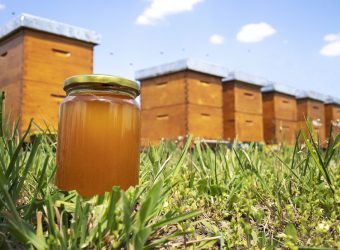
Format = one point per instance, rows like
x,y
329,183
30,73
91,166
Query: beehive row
x,y
193,97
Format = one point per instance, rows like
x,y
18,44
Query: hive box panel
x,y
41,103
315,111
244,127
246,97
163,91
319,132
332,116
285,131
164,122
279,114
280,131
242,111
204,89
52,58
205,122
49,60
312,109
249,127
285,107
11,65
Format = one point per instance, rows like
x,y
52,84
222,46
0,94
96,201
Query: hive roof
x,y
49,26
185,64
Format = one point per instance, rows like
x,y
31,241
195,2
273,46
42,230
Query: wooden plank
x,y
248,98
56,48
203,89
205,122
41,103
229,130
163,91
302,111
332,116
54,72
285,131
164,122
268,117
315,111
228,99
249,127
229,111
11,64
50,58
285,107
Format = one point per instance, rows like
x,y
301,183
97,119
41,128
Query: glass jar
x,y
98,134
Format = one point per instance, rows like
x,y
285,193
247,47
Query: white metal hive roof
x,y
46,25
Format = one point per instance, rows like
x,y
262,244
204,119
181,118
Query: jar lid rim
x,y
108,80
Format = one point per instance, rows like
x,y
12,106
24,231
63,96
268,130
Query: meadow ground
x,y
190,196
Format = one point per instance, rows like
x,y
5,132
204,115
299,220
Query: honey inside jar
x,y
98,135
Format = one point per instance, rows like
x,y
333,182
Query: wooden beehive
x,y
242,107
36,55
279,114
181,98
332,115
310,105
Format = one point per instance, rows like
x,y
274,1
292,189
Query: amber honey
x,y
98,138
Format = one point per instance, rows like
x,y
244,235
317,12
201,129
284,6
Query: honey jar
x,y
98,134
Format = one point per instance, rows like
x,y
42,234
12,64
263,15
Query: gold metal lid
x,y
102,82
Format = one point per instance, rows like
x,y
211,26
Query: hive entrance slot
x,y
315,107
163,117
249,121
247,94
58,96
161,83
60,52
205,83
205,114
4,54
285,101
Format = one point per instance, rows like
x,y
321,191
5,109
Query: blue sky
x,y
292,42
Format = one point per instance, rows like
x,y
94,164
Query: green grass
x,y
189,196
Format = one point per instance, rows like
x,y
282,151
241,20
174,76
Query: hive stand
x,y
242,107
332,115
279,114
311,105
36,55
180,98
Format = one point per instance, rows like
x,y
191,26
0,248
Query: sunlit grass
x,y
189,196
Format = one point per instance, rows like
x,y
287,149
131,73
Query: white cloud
x,y
331,49
331,37
159,9
216,39
2,6
255,32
